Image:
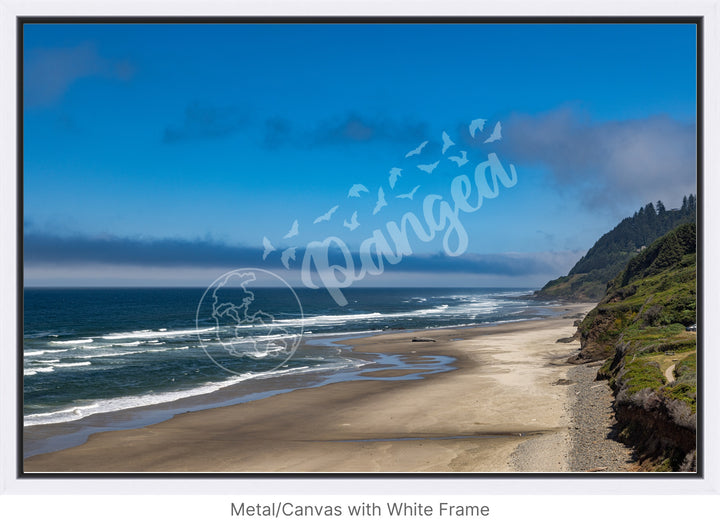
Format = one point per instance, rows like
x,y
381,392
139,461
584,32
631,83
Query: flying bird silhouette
x,y
353,223
394,174
460,160
495,134
355,190
476,125
327,215
380,202
293,230
409,195
268,247
428,168
417,150
287,255
446,142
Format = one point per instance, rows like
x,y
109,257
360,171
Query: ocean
x,y
101,351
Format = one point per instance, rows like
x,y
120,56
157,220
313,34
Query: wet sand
x,y
504,391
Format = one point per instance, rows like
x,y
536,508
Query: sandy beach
x,y
502,409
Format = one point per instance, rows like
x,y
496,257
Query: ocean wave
x,y
72,341
154,334
36,370
126,402
121,353
110,354
30,353
150,399
91,347
73,364
257,339
334,320
429,311
99,346
318,336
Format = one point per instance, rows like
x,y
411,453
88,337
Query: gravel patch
x,y
540,454
592,424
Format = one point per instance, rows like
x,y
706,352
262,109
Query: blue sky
x,y
164,154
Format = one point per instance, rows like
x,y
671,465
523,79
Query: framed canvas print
x,y
348,263
360,246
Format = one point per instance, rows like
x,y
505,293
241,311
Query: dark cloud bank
x,y
203,121
45,249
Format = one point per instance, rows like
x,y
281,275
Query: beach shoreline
x,y
502,392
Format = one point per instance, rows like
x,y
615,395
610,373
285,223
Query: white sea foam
x,y
110,354
35,370
258,339
128,402
74,364
426,311
154,334
30,353
150,399
321,335
72,342
98,346
333,320
121,353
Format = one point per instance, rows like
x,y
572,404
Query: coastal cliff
x,y
588,280
644,327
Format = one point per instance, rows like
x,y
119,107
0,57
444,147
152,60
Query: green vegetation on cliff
x,y
639,327
588,279
657,288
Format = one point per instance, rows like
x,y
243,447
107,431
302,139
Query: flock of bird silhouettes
x,y
356,189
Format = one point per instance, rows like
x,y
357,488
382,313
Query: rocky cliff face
x,y
658,418
661,445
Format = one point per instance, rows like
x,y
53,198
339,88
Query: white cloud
x,y
631,161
